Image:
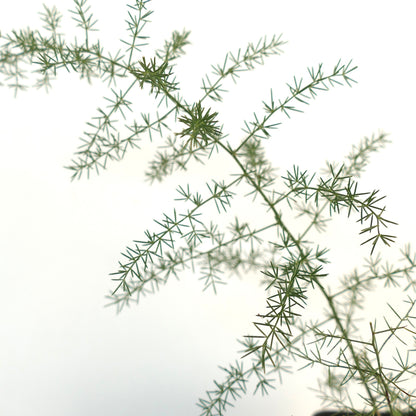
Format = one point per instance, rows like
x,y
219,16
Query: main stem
x,y
316,281
279,222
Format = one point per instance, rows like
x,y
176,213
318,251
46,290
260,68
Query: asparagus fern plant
x,y
288,262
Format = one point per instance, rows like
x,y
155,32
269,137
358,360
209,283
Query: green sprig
x,y
287,262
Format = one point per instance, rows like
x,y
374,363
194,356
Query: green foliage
x,y
290,266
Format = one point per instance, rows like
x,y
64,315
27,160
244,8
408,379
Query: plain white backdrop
x,y
61,351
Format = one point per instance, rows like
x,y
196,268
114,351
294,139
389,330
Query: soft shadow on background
x,y
62,352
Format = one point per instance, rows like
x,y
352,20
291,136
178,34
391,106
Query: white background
x,y
61,351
